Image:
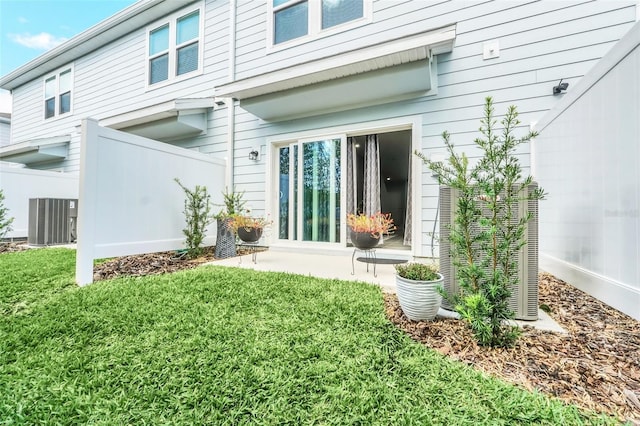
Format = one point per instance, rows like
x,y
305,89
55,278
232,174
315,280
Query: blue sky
x,y
31,27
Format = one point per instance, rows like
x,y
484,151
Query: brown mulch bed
x,y
7,247
153,263
148,264
596,365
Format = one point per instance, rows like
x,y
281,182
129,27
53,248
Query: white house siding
x,y
587,158
540,43
5,131
111,81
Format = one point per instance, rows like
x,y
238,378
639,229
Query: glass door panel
x,y
288,192
309,190
320,181
283,193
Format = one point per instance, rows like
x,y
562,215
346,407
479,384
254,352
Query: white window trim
x,y
172,21
315,25
56,74
413,123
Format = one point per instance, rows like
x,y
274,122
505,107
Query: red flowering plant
x,y
248,222
376,224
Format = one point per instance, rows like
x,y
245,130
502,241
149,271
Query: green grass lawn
x,y
228,346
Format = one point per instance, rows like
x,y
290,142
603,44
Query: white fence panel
x,y
129,201
20,184
587,159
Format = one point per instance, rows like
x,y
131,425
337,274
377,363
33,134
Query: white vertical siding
x,y
148,215
20,184
587,159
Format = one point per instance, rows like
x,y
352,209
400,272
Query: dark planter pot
x,y
225,240
364,240
249,235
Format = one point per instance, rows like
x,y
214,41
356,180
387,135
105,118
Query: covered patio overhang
x,y
176,119
37,150
399,69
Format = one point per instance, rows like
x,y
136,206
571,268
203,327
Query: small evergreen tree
x,y
486,232
5,220
197,212
233,204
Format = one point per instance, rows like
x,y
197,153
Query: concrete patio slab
x,y
316,265
339,267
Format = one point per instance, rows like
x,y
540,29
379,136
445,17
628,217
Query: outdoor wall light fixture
x,y
560,87
254,154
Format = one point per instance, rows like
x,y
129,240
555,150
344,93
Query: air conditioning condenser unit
x,y
524,298
51,221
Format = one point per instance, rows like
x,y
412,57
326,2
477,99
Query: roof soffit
x,y
167,121
396,52
37,150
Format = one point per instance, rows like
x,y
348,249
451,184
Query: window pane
x,y
159,69
187,59
277,3
159,40
65,81
321,185
65,102
284,194
335,12
188,27
50,87
295,192
292,22
49,108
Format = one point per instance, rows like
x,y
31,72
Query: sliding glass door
x,y
310,190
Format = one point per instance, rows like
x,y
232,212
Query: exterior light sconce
x,y
254,154
560,87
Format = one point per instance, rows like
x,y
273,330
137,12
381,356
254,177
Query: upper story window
x,y
57,93
175,48
300,19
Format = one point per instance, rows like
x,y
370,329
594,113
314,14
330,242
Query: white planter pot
x,y
419,300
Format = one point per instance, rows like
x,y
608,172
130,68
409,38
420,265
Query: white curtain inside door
x,y
352,190
371,182
371,188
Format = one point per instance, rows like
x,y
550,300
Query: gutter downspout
x,y
230,101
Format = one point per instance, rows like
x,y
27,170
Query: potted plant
x,y
249,229
225,237
366,230
418,287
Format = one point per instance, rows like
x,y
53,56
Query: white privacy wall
x,y
129,201
19,184
587,158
